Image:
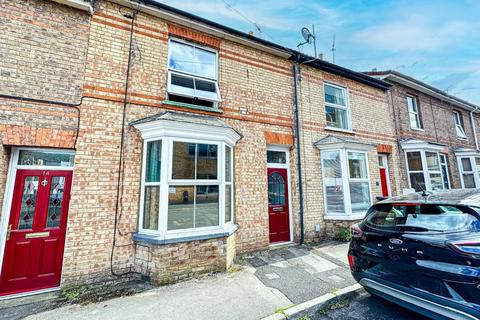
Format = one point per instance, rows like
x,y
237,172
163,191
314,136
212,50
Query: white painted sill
x,y
339,130
418,129
185,237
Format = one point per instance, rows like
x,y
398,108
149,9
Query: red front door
x,y
278,210
383,163
36,231
383,179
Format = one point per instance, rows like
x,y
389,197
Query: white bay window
x,y
469,167
346,183
426,170
426,164
187,178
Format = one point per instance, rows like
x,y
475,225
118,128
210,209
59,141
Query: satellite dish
x,y
307,35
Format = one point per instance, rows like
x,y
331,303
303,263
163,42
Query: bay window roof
x,y
330,142
409,144
169,122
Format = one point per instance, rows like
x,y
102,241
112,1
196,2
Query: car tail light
x,y
351,261
467,247
356,231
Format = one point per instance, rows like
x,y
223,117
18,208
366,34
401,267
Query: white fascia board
x,y
416,86
201,27
78,4
166,128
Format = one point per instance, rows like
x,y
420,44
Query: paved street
x,y
365,307
267,282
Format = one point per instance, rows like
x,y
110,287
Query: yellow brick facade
x,y
257,91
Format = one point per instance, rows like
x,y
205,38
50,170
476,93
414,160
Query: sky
x,y
437,42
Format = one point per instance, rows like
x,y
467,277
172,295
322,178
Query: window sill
x,y
190,106
344,217
418,129
339,130
158,240
462,139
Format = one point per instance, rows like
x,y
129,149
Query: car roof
x,y
469,197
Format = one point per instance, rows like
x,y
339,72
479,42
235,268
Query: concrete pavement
x,y
269,282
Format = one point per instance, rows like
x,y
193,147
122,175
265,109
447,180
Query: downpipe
x,y
299,158
474,129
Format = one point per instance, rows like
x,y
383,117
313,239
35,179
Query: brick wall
x,y
437,124
371,123
42,50
42,56
175,262
250,104
257,95
4,159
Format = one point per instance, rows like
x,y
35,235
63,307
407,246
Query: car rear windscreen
x,y
423,217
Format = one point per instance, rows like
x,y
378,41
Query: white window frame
x,y
169,130
348,214
415,112
473,164
193,75
443,163
229,183
460,131
166,182
425,171
346,95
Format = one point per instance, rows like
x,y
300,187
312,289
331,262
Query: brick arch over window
x,y
188,34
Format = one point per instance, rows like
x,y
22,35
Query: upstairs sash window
x,y
336,107
192,74
413,113
459,125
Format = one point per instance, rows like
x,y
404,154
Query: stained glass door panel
x,y
28,202
55,202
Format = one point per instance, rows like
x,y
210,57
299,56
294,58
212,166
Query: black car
x,y
422,251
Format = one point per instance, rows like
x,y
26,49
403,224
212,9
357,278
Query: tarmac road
x,y
367,307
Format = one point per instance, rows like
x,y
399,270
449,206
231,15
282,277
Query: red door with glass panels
x,y
36,231
383,163
278,209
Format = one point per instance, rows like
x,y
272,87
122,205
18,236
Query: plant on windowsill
x,y
343,235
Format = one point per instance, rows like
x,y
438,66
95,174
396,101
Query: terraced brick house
x,y
437,135
138,139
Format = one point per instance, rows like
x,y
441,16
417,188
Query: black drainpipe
x,y
299,158
122,147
